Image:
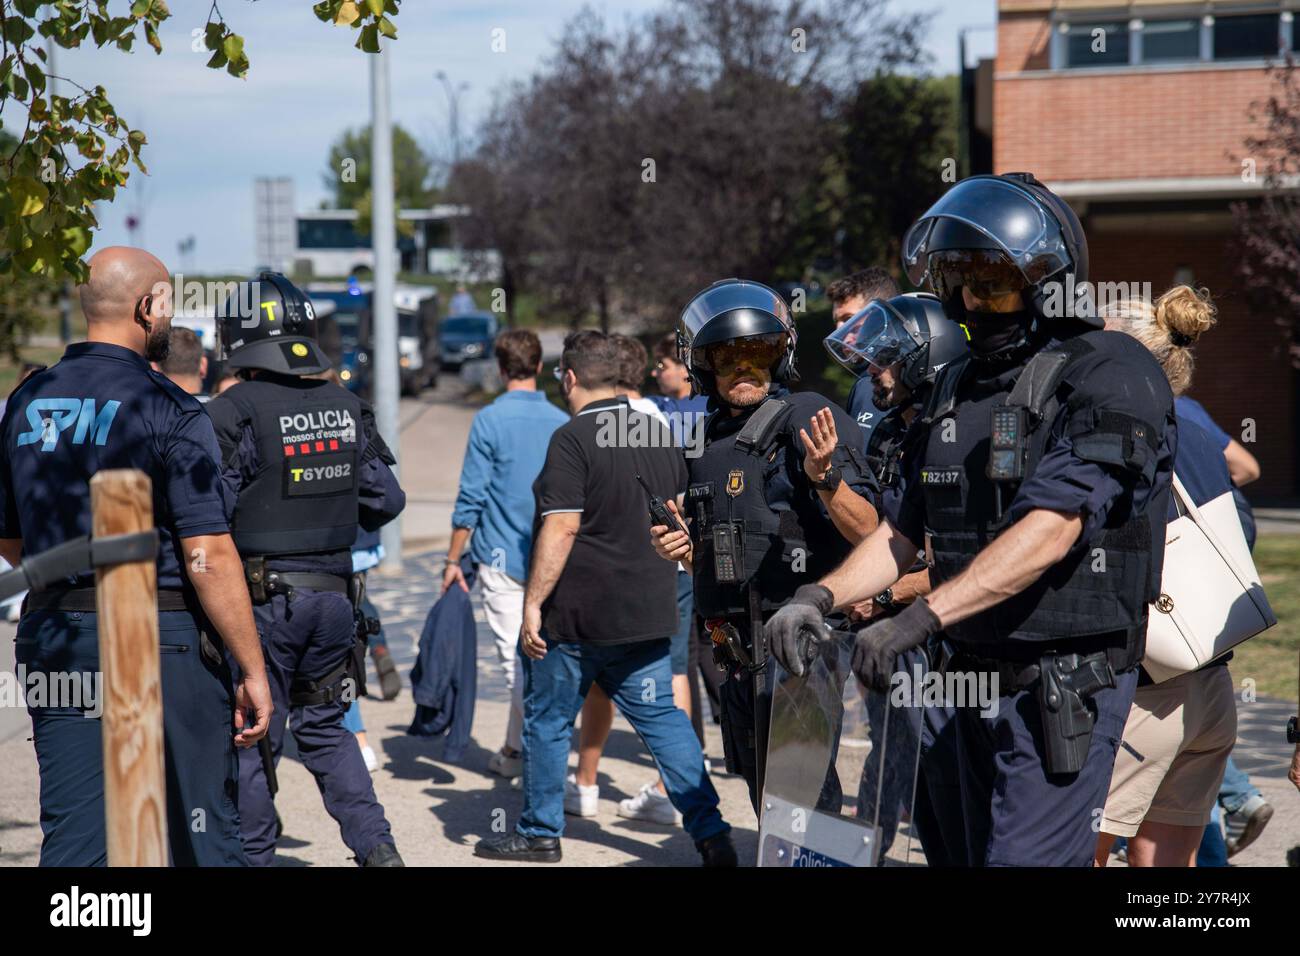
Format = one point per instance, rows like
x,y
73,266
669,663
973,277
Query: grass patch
x,y
1271,658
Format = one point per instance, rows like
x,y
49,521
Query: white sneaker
x,y
650,806
504,766
368,755
580,801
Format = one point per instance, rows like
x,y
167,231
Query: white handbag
x,y
1210,599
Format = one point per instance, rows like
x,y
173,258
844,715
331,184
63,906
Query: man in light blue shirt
x,y
494,511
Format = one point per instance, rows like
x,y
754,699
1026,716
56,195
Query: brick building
x,y
1137,114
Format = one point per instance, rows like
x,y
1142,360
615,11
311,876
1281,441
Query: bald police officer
x,y
101,406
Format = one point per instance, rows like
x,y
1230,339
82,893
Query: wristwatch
x,y
885,599
830,481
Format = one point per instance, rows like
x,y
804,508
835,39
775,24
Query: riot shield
x,y
841,768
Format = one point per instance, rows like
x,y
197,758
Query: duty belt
x,y
1015,676
83,599
263,582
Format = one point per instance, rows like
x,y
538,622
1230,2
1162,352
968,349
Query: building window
x,y
1096,44
1250,37
329,234
1164,40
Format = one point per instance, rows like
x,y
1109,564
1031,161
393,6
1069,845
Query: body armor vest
x,y
303,496
1103,589
884,448
749,486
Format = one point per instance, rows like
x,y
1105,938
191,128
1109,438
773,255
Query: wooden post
x,y
135,796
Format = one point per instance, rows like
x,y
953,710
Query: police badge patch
x,y
735,482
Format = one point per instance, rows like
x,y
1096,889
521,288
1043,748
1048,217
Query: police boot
x,y
717,851
390,682
385,854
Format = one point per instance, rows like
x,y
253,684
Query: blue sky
x,y
211,135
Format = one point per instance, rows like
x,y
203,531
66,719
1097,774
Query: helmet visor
x,y
874,338
723,358
985,272
1011,217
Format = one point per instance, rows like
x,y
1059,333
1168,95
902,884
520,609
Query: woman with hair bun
x,y
1180,732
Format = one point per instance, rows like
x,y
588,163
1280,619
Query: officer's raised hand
x,y
671,544
793,632
820,445
877,646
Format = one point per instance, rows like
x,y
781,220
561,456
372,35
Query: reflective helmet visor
x,y
723,358
985,272
1010,217
874,338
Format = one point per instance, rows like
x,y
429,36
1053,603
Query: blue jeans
x,y
1236,789
638,679
1213,851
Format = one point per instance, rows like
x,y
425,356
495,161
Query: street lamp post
x,y
383,235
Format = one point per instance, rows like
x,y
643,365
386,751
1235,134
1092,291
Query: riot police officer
x,y
1037,479
897,347
102,407
310,466
777,497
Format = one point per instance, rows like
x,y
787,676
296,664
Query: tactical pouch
x,y
1066,683
255,575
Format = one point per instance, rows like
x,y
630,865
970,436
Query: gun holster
x,y
255,575
1066,684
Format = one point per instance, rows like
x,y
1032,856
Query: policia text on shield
x,y
1011,538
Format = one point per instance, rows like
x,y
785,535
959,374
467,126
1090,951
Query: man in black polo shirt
x,y
600,607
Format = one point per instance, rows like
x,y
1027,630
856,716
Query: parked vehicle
x,y
464,338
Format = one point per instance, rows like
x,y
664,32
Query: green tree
x,y
348,174
77,150
21,294
898,132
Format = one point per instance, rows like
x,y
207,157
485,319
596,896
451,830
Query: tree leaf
x,y
233,47
28,194
387,29
347,14
376,7
369,39
151,34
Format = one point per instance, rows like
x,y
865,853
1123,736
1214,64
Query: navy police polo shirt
x,y
102,406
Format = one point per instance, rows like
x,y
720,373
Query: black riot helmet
x,y
730,310
910,329
1004,233
268,323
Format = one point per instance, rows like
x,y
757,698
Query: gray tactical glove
x,y
877,646
796,629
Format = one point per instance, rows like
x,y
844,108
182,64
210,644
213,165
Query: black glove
x,y
803,617
877,646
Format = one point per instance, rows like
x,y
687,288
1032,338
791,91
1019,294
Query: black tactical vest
x,y
885,446
1104,589
303,497
751,477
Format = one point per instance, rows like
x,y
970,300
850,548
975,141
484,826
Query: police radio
x,y
1008,434
659,512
